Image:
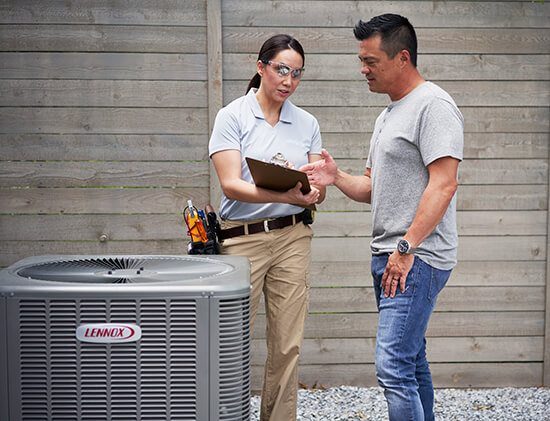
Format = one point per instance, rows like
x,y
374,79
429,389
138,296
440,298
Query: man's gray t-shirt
x,y
409,135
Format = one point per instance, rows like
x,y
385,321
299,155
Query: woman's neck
x,y
271,109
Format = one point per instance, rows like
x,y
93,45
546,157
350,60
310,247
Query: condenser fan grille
x,y
121,270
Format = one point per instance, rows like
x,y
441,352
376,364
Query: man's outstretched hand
x,y
322,172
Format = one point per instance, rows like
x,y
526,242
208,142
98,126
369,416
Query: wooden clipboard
x,y
276,177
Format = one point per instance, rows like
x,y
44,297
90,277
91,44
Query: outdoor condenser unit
x,y
125,338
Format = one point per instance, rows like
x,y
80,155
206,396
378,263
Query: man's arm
x,y
325,172
434,202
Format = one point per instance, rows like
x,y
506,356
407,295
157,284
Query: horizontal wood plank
x,y
104,147
442,324
467,272
465,94
462,375
476,145
100,65
192,174
327,224
434,67
422,14
359,224
482,171
99,200
443,374
11,252
439,350
102,93
33,200
430,40
14,120
471,248
106,12
476,119
103,38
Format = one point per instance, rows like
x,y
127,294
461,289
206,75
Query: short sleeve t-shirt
x,y
409,135
241,126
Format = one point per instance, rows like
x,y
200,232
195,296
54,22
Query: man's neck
x,y
409,82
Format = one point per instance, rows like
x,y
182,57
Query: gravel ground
x,y
348,403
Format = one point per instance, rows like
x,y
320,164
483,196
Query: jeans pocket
x,y
438,280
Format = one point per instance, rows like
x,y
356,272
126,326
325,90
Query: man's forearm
x,y
357,188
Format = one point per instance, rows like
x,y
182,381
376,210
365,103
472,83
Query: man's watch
x,y
404,247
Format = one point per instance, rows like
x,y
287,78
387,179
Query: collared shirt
x,y
241,126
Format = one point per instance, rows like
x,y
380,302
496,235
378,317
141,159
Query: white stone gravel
x,y
347,403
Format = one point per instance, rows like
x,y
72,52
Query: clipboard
x,y
276,177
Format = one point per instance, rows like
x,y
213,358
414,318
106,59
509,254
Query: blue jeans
x,y
401,365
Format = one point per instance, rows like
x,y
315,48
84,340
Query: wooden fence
x,y
105,110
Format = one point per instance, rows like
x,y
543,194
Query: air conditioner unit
x,y
125,338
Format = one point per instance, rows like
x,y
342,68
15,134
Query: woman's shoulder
x,y
300,114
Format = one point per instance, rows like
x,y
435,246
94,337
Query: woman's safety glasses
x,y
283,70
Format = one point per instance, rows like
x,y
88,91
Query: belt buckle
x,y
266,225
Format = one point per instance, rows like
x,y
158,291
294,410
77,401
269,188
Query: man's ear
x,y
404,57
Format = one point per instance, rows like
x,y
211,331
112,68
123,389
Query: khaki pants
x,y
280,269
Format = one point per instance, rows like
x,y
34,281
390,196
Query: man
x,y
411,180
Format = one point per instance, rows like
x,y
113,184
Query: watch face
x,y
403,246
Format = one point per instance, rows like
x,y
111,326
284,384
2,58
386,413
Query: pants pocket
x,y
438,280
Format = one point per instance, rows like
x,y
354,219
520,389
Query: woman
x,y
261,224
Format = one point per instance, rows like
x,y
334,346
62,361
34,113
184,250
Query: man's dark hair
x,y
396,33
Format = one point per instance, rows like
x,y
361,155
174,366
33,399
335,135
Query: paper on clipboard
x,y
276,177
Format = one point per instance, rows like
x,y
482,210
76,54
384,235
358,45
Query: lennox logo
x,y
108,333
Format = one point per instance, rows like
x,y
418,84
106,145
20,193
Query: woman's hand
x,y
296,197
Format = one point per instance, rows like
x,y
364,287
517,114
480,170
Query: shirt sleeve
x,y
225,133
441,131
316,141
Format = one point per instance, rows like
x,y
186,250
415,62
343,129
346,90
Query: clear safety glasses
x,y
283,70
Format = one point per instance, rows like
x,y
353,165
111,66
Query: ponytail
x,y
254,82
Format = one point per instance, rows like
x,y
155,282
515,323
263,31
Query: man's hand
x,y
397,269
322,172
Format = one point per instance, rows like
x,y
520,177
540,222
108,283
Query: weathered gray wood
x,y
327,224
442,324
439,350
430,40
471,93
444,375
477,119
471,248
102,93
91,227
102,147
112,66
546,365
104,174
105,12
470,197
103,120
215,81
421,13
103,38
466,273
478,172
476,145
100,200
354,224
435,67
11,252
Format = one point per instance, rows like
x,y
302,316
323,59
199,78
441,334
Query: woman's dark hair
x,y
271,48
396,33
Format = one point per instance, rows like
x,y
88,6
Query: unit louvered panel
x,y
234,359
65,379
